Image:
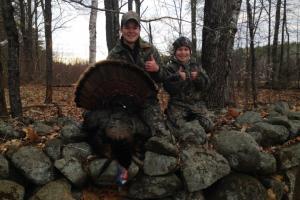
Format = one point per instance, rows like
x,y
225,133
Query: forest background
x,y
250,48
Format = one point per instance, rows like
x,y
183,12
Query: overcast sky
x,y
72,41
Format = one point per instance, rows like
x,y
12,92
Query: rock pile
x,y
231,164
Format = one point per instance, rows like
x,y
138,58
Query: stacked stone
x,y
230,165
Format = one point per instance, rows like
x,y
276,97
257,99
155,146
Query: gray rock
x,y
63,121
53,148
72,133
273,113
96,166
192,133
257,136
201,168
41,128
79,150
157,187
7,132
239,149
58,190
294,115
157,164
161,146
248,117
296,125
267,164
109,176
34,164
72,169
289,157
282,107
283,121
237,187
133,171
184,195
4,167
271,134
10,190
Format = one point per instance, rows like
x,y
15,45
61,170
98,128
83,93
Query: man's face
x,y
130,32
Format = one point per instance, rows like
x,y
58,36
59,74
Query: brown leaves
x,y
31,135
92,193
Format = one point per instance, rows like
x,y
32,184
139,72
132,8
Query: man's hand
x,y
151,65
182,73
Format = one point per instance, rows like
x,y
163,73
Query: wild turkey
x,y
113,92
109,82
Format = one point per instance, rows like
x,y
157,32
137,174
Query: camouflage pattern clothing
x,y
138,55
186,96
151,113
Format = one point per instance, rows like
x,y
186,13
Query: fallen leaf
x,y
271,195
31,135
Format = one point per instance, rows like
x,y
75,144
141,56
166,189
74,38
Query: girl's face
x,y
130,32
183,54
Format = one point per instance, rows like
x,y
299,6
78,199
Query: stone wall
x,y
256,158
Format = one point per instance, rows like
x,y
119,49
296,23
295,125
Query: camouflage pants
x,y
152,115
180,113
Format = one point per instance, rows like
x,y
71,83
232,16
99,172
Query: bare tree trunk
x,y
37,67
26,29
138,6
29,45
93,32
112,23
275,66
247,74
150,34
252,53
3,107
282,72
178,11
269,40
193,20
288,69
49,56
218,39
13,58
130,4
298,52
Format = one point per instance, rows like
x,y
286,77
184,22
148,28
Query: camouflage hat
x,y
130,15
182,41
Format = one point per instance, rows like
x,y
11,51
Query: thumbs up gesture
x,y
151,65
182,73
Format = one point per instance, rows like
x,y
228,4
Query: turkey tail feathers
x,y
108,80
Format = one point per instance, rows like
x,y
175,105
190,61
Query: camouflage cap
x,y
130,15
182,41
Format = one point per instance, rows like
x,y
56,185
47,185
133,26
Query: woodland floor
x,y
63,98
63,105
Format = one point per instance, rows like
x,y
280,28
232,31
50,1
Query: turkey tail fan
x,y
109,81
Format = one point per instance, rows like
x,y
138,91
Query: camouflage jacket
x,y
144,51
185,91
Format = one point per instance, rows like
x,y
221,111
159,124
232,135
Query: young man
x,y
131,48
